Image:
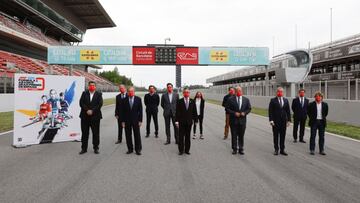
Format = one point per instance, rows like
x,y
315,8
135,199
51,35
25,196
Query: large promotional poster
x,y
46,109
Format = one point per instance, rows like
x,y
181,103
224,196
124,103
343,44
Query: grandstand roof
x,y
90,12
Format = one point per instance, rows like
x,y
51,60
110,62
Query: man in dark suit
x,y
91,102
152,101
131,120
279,117
118,107
168,103
227,115
238,107
299,107
317,111
185,114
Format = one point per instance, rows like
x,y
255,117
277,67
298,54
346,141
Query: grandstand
x,y
28,27
335,71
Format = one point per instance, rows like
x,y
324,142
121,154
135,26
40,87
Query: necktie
x,y
131,102
122,96
302,102
238,101
280,101
186,104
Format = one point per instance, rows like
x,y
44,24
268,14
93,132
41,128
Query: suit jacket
x,y
118,105
202,106
232,107
280,115
183,115
312,112
95,105
169,106
300,112
152,102
132,115
225,99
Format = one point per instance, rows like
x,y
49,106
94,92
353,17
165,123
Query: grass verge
x,y
332,127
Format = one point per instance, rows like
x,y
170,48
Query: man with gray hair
x,y
118,106
238,107
279,118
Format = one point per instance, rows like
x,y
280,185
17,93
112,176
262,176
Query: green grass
x,y
109,101
332,127
6,121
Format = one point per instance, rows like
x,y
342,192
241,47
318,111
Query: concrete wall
x,y
342,111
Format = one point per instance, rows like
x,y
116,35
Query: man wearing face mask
x,y
227,115
131,120
185,114
279,117
299,107
152,101
317,112
91,102
168,103
238,107
118,106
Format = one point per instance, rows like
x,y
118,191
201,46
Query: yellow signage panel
x,y
219,56
89,55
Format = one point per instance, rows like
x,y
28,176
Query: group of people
x,y
237,107
185,113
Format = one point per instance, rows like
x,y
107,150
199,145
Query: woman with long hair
x,y
200,104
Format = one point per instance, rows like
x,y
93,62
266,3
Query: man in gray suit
x,y
168,103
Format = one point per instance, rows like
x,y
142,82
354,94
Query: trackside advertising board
x,y
46,108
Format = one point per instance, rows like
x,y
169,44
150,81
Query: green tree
x,y
115,77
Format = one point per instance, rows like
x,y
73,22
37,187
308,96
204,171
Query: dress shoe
x,y
283,153
166,143
82,152
147,135
295,141
181,153
322,153
201,137
276,153
129,152
138,153
188,153
302,141
96,151
234,152
118,142
241,152
156,136
194,136
312,152
225,137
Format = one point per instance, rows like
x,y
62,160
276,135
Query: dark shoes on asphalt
x,y
283,153
118,142
302,141
129,152
82,152
322,153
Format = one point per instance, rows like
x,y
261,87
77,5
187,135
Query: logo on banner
x,y
143,55
89,55
31,83
187,56
219,56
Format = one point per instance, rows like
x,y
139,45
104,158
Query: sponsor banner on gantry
x,y
187,55
143,55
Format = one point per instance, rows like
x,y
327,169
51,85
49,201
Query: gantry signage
x,y
158,55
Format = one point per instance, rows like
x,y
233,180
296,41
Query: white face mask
x,y
44,100
62,98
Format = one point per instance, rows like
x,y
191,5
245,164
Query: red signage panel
x,y
187,55
143,55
